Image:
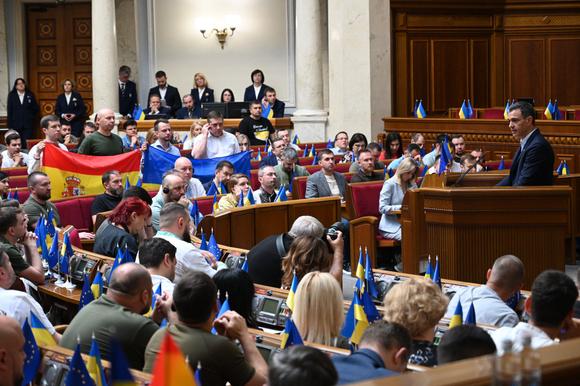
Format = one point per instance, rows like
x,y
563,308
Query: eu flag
x,y
213,247
33,357
78,373
120,374
470,318
87,293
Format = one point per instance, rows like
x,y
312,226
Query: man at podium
x,y
534,161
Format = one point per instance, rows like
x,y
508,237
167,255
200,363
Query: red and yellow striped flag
x,y
74,174
170,367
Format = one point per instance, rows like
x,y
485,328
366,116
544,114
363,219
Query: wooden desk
x,y
245,227
468,228
62,294
185,124
491,135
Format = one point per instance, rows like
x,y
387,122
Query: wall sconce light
x,y
206,24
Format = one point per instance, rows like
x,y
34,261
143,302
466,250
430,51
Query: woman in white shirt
x,y
392,195
194,131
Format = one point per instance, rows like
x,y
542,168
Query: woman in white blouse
x,y
392,195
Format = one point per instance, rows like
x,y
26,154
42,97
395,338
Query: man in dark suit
x,y
278,146
326,182
188,110
127,92
155,110
169,94
533,163
276,106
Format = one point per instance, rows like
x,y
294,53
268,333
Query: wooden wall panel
x,y
564,74
450,74
526,63
419,49
480,69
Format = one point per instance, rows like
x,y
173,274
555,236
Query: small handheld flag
x,y
78,373
437,273
215,206
549,111
120,374
97,286
296,141
369,276
87,293
463,111
292,292
470,318
95,365
203,245
213,247
171,368
501,165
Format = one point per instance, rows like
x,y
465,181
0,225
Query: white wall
x,y
263,40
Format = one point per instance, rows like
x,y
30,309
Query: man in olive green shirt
x,y
13,233
103,141
119,315
289,168
38,202
195,299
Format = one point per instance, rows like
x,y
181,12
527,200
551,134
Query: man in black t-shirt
x,y
257,128
113,184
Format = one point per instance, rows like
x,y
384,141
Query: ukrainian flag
x,y
506,111
73,174
463,111
215,203
95,366
312,151
421,113
41,334
360,273
290,335
565,169
170,367
281,196
457,318
428,272
267,112
361,320
138,113
296,140
292,292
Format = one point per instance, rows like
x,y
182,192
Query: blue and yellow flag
x,y
97,285
138,113
33,356
312,151
437,272
549,111
446,157
370,277
463,111
421,113
315,159
501,165
296,140
457,318
565,168
290,335
120,374
41,334
259,155
78,373
506,111
356,321
360,272
292,292
215,206
95,365
250,198
281,196
87,293
470,318
267,111
245,266
305,152
329,144
428,272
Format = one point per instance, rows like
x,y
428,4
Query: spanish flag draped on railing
x,y
74,174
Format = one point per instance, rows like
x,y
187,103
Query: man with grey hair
x,y
288,168
265,259
267,191
504,280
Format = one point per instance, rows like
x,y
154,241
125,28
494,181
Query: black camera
x,y
235,261
332,231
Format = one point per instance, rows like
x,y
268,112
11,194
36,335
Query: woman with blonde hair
x,y
239,183
308,254
194,131
419,305
201,93
319,311
392,195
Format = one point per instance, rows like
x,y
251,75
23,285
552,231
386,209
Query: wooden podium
x,y
469,227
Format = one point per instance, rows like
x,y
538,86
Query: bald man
x,y
504,279
194,188
173,186
18,304
119,315
12,354
103,141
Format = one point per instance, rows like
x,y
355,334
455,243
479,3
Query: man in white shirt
x,y
214,141
285,135
194,188
18,304
174,224
162,128
50,125
504,279
158,256
12,157
551,310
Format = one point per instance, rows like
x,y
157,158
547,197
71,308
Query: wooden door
x,y
58,48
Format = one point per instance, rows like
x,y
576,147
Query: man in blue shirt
x,y
382,352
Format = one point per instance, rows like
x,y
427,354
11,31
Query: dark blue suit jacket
x,y
278,108
182,113
207,97
250,93
534,165
21,115
164,112
270,160
359,366
77,107
127,98
172,98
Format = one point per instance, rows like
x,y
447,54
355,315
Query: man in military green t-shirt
x,y
195,299
103,141
13,233
119,315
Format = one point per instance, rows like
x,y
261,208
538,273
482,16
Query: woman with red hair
x,y
125,223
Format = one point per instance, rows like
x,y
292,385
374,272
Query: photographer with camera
x,y
265,258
